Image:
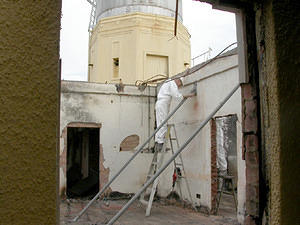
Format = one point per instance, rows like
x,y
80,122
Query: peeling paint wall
x,y
216,81
121,115
29,44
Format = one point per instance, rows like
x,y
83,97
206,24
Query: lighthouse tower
x,y
134,40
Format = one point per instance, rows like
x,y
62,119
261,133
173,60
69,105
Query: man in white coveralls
x,y
168,90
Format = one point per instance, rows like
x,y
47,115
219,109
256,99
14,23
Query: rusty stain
x,y
195,106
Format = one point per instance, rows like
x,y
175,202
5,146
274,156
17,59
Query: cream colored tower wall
x,y
144,44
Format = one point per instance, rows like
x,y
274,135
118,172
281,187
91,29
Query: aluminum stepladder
x,y
178,163
156,164
154,167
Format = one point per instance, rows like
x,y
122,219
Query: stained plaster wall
x,y
29,44
120,115
278,52
216,80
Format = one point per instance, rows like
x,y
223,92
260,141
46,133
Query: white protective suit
x,y
222,145
162,107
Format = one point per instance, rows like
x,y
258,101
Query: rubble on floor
x,y
164,212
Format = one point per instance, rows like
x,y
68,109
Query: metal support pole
x,y
126,164
172,158
176,18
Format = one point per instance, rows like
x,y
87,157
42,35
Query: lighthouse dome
x,y
107,8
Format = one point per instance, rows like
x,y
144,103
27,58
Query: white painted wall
x,y
121,115
216,80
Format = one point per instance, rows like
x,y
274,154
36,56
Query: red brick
x,y
252,192
249,220
248,92
252,159
252,203
251,143
251,106
250,116
252,174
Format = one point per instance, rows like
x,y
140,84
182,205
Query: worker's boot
x,y
158,146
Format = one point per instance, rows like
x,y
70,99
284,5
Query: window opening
x,y
116,67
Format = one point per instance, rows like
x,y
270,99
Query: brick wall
x,y
250,151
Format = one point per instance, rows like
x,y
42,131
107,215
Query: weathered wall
x,y
120,114
278,50
277,100
29,44
287,31
131,38
126,113
277,59
216,80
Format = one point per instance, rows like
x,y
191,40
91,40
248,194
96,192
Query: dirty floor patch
x,y
161,214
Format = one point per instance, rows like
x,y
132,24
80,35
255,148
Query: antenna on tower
x,y
92,23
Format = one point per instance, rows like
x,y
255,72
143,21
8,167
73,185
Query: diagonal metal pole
x,y
126,164
172,158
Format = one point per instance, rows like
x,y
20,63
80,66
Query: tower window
x,y
115,67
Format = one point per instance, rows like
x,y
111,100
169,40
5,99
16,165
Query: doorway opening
x,y
224,163
82,162
226,145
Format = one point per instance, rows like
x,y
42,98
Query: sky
x,y
209,28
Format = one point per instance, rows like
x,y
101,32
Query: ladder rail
x,y
114,219
154,187
151,172
92,22
172,149
127,163
155,184
182,164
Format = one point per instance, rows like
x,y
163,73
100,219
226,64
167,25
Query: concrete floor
x,y
163,213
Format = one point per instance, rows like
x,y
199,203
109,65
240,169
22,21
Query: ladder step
x,y
173,139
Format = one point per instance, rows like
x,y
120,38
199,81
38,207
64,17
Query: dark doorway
x,y
224,165
82,162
